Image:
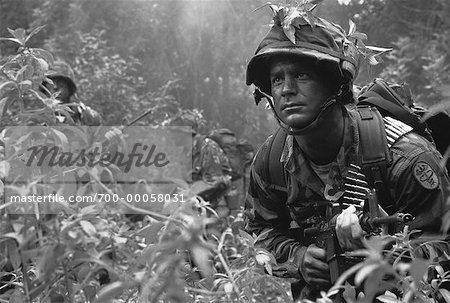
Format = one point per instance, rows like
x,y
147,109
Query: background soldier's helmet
x,y
62,70
186,118
298,32
224,137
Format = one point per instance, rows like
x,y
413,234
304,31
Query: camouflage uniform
x,y
299,53
209,162
211,168
85,115
286,211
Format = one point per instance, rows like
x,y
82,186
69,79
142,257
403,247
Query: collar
x,y
297,164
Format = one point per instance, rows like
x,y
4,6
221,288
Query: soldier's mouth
x,y
292,107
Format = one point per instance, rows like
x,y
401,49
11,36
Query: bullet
x,y
357,181
361,189
356,173
355,193
354,200
393,131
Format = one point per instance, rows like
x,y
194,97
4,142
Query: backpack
x,y
395,100
375,101
228,142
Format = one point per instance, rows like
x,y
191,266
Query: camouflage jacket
x,y
83,115
274,213
209,161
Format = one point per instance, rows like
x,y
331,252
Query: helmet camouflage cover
x,y
190,118
63,70
296,31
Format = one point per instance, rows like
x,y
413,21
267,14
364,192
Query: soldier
x,y
63,77
239,155
211,171
305,67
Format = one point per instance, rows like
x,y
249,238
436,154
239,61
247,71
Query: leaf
x,y
49,260
372,60
359,36
445,294
110,291
388,297
64,142
19,34
201,257
150,232
88,228
352,27
378,49
40,53
364,272
228,288
418,269
40,66
349,293
3,107
13,254
17,297
34,32
89,210
11,39
433,255
267,253
7,87
247,236
4,169
25,73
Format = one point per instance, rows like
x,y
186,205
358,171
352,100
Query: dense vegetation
x,y
129,56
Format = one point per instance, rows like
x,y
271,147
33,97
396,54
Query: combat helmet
x,y
189,118
61,69
297,31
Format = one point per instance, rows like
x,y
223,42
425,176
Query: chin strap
x,y
343,95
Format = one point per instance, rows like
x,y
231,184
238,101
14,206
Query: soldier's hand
x,y
348,229
314,267
114,136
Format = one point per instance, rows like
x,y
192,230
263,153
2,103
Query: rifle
x,y
323,233
211,192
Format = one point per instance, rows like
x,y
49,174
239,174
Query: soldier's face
x,y
298,90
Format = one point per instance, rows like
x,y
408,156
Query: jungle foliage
x,y
132,55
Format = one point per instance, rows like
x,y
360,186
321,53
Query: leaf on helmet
x,y
352,27
289,31
380,50
373,60
358,36
311,19
314,2
279,13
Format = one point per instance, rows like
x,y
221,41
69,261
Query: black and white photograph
x,y
222,151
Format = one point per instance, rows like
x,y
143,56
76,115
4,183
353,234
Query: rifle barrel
x,y
393,219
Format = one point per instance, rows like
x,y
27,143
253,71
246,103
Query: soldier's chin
x,y
297,122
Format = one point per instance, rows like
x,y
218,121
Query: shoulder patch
x,y
426,176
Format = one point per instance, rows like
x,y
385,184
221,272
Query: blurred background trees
x,y
131,55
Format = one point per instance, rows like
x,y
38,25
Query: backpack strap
x,y
267,161
374,156
382,96
274,167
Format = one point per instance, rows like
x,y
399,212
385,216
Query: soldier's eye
x,y
276,80
302,76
